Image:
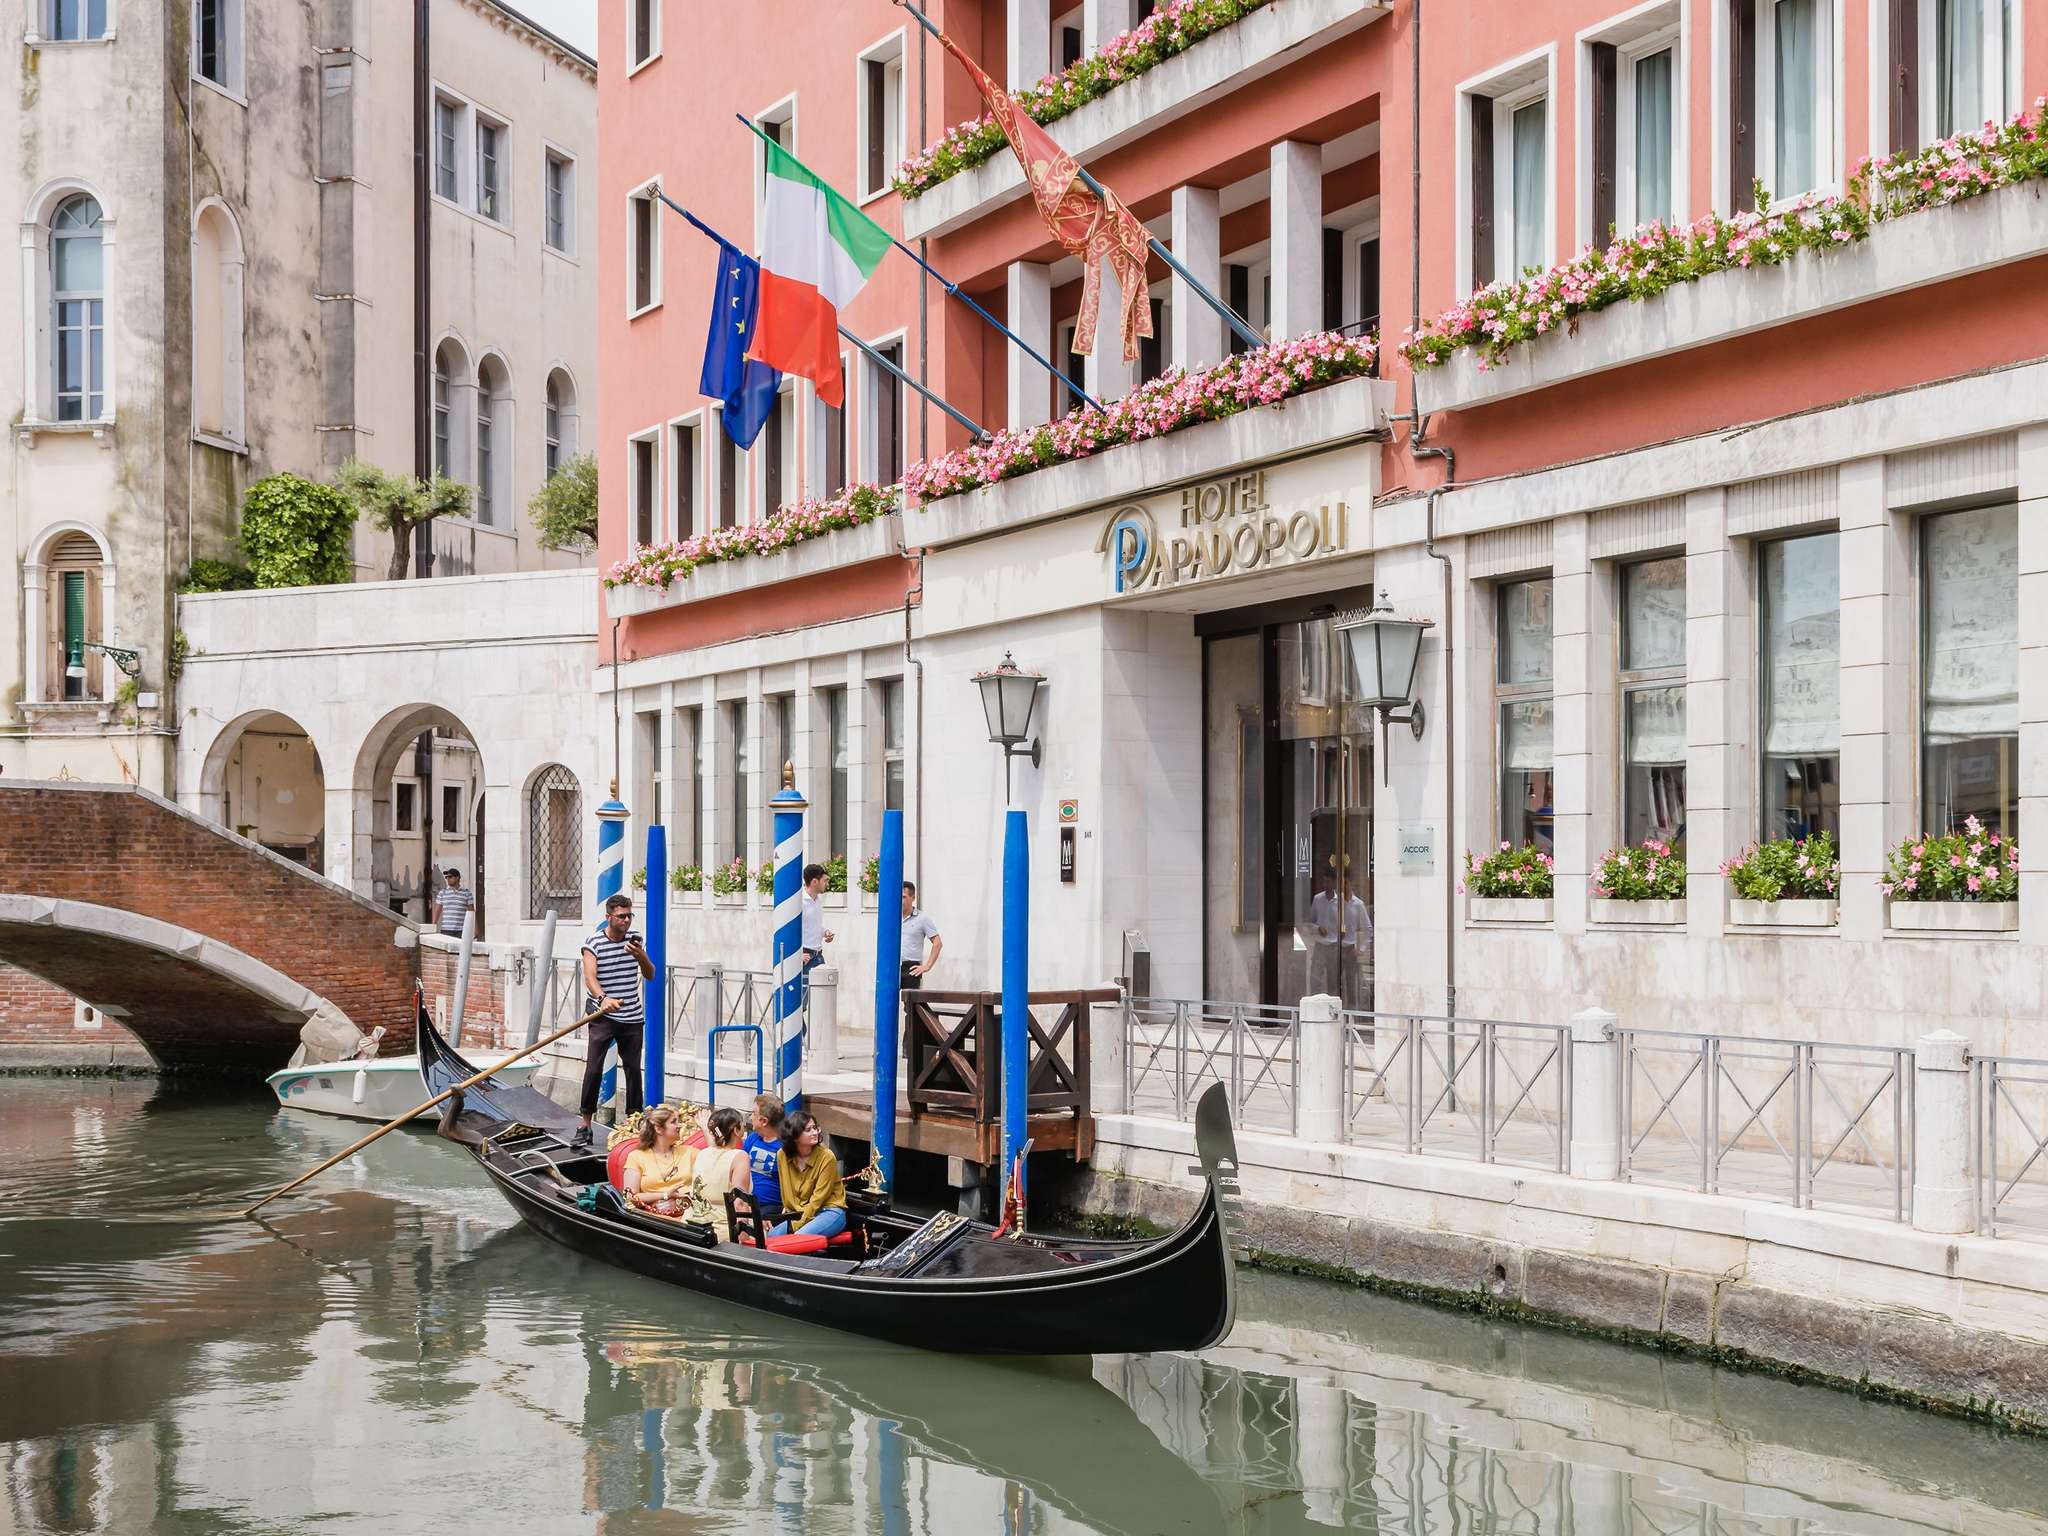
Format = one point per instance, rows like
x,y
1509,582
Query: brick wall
x,y
31,1010
483,1012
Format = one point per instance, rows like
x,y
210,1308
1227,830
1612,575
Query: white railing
x,y
1175,1050
1479,1088
2009,1144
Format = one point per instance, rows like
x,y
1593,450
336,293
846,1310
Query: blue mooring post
x,y
655,989
789,806
1016,994
888,992
611,879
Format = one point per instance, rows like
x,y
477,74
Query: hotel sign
x,y
1226,527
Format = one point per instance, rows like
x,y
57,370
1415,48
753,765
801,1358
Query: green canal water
x,y
394,1354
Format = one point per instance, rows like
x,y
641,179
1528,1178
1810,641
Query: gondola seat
x,y
746,1225
615,1163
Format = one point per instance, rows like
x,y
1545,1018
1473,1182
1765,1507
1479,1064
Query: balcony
x,y
1260,45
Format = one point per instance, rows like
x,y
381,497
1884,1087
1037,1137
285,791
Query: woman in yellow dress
x,y
658,1170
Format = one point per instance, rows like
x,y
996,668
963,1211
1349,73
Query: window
x,y
216,325
1634,113
1646,119
447,131
217,42
490,196
559,214
551,426
778,748
1782,80
777,453
444,464
451,810
1152,349
828,459
486,406
1071,365
1528,192
739,766
1969,668
1507,170
836,826
78,284
1962,69
72,584
646,238
728,479
1800,623
554,845
884,395
1653,701
644,23
1522,689
881,116
685,466
646,477
405,810
451,416
690,742
77,21
892,744
493,441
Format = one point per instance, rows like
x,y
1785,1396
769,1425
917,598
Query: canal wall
x,y
1955,1323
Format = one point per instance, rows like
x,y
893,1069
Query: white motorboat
x,y
382,1088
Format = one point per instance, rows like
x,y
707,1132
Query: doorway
x,y
1287,795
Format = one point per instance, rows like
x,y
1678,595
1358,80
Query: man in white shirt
x,y
816,936
1356,921
920,952
1323,914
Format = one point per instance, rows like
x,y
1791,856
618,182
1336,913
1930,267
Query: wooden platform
x,y
852,1114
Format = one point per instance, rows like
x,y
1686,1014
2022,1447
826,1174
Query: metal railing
x,y
1483,1088
1174,1050
1771,1118
2009,1144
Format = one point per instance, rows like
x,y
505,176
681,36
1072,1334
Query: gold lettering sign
x,y
1227,527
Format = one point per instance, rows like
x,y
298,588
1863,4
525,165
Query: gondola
x,y
940,1284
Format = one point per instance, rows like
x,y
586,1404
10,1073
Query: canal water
x,y
394,1354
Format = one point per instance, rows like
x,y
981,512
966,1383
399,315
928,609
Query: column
x,y
1109,376
1198,336
1941,1132
1596,1090
1029,287
1878,627
1102,20
1030,52
711,721
1719,820
1320,1114
863,809
1297,239
761,782
1578,651
2033,477
824,1019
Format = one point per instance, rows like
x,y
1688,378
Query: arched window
x,y
453,418
217,325
554,845
74,616
561,419
493,441
79,318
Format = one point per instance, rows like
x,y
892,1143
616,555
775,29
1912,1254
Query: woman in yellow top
x,y
658,1169
720,1167
813,1193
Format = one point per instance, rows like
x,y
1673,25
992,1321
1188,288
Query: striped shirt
x,y
619,974
456,900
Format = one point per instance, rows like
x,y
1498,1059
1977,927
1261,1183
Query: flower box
x,y
686,898
1509,909
870,901
1610,910
736,899
833,901
1954,916
1784,914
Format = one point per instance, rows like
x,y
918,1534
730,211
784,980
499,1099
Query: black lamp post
x,y
1008,696
1385,651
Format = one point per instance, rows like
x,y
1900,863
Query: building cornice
x,y
509,20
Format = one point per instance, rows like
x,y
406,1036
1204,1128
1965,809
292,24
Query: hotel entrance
x,y
1287,800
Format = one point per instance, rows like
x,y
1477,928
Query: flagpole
x,y
1230,316
956,291
711,234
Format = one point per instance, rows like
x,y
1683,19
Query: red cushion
x,y
615,1162
697,1140
798,1242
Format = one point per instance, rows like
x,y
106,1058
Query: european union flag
x,y
745,385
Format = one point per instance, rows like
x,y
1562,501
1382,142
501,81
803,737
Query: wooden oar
x,y
420,1109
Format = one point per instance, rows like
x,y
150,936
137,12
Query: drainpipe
x,y
1418,451
1415,171
422,275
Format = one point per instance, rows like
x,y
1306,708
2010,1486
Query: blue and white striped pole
x,y
789,806
611,879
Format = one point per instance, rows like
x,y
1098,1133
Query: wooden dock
x,y
950,1134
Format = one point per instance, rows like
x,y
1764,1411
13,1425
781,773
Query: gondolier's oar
x,y
420,1109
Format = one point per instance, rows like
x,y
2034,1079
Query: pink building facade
x,y
1744,556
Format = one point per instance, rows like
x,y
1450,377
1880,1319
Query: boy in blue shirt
x,y
764,1150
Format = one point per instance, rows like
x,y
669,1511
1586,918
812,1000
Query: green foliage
x,y
217,576
1970,865
687,878
835,873
871,875
640,878
1509,871
729,879
1790,869
1651,872
296,532
397,504
181,647
565,509
764,878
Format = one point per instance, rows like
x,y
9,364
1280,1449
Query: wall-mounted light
x,y
130,662
1386,648
1008,696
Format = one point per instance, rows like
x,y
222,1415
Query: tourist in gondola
x,y
658,1170
721,1166
813,1193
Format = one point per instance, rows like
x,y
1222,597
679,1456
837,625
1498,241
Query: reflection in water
x,y
394,1354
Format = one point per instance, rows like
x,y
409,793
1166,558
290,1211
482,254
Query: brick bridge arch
x,y
211,950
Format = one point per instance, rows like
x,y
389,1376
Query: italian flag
x,y
817,252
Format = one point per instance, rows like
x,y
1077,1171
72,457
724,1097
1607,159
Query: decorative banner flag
x,y
817,252
733,371
1093,228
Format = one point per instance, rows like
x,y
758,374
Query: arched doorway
x,y
264,780
419,778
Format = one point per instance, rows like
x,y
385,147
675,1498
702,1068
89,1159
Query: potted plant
x,y
835,880
764,878
1509,885
1644,884
871,882
1963,882
1789,883
729,883
687,881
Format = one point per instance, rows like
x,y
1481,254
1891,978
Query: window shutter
x,y
1482,190
1606,71
1742,104
1905,74
1333,279
1369,288
878,79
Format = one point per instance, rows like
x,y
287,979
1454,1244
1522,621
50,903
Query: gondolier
x,y
615,963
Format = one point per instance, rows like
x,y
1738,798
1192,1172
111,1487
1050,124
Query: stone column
x,y
1596,1096
1197,338
1297,239
1578,647
1109,376
1878,640
1320,1112
1941,1134
1108,1058
1102,20
824,1018
1029,54
2033,477
1719,807
1029,290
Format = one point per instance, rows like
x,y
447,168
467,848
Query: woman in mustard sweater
x,y
813,1193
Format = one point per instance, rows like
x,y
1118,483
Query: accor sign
x,y
1226,528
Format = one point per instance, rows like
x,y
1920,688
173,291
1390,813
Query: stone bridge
x,y
210,949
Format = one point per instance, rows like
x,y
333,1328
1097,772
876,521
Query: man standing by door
x,y
615,963
921,946
452,904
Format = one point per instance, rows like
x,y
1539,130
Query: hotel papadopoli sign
x,y
1240,525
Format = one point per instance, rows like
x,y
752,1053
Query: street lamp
x,y
1008,695
130,662
1385,649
